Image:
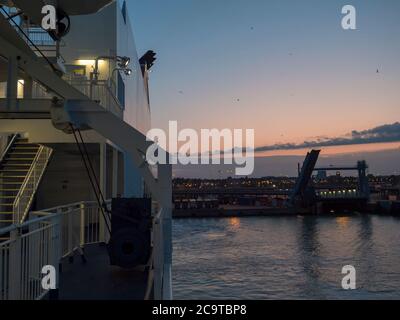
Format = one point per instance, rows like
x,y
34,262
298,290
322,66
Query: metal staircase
x,y
21,169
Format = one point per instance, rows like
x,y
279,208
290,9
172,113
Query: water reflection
x,y
309,250
280,258
343,222
365,255
234,223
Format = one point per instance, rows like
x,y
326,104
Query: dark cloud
x,y
385,133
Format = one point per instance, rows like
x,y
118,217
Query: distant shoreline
x,y
252,211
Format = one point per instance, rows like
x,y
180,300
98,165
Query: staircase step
x,y
18,159
7,197
10,183
12,177
26,150
25,146
16,165
6,204
6,212
9,190
23,153
6,221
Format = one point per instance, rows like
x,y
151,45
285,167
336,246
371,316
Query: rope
x,y
88,165
92,170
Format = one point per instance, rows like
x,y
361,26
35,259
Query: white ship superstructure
x,y
71,108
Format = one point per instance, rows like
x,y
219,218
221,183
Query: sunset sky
x,y
284,68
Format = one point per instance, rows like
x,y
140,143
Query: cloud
x,y
380,134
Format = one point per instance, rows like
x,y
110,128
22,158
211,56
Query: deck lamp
x,y
126,71
122,61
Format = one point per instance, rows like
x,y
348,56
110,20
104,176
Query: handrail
x,y
44,240
67,207
10,144
98,91
27,223
32,179
61,231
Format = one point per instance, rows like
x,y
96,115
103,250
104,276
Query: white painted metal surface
x,y
77,109
52,235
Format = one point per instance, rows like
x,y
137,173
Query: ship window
x,y
76,70
124,11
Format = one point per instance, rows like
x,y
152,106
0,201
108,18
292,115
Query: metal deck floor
x,y
97,280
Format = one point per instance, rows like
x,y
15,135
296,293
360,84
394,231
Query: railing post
x,y
56,243
70,232
15,211
82,225
91,86
103,188
60,230
15,265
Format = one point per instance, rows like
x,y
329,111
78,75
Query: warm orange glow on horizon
x,y
335,150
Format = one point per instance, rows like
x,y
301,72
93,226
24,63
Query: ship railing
x,y
35,36
57,233
31,246
26,194
41,38
40,92
44,240
102,91
81,224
